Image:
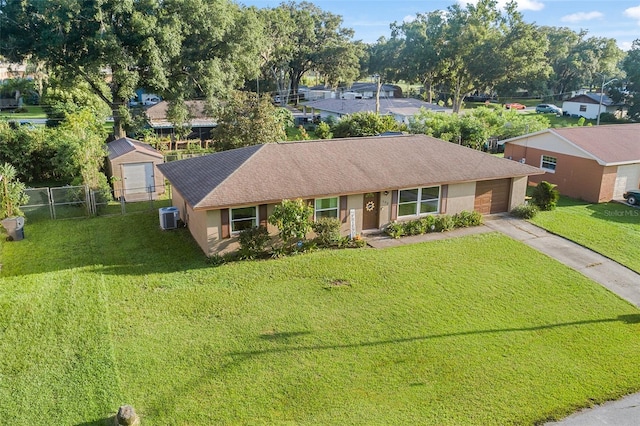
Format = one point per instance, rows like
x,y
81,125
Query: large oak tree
x,y
176,48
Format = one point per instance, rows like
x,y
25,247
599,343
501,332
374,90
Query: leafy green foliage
x,y
525,211
327,230
29,150
323,131
465,219
293,218
253,242
433,223
545,196
474,128
12,194
178,49
364,124
81,151
248,120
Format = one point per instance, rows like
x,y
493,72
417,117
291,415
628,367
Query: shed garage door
x,y
138,178
492,196
628,177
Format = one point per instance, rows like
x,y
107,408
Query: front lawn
x,y
99,312
611,229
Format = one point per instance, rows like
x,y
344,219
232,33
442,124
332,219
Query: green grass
x,y
100,312
33,111
611,229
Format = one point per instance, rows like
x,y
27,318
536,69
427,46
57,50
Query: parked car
x,y
514,105
546,108
632,197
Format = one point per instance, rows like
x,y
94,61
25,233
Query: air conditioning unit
x,y
169,217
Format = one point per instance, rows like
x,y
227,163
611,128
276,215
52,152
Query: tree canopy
x,y
176,48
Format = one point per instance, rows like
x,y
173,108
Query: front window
x,y
419,201
244,218
326,207
583,108
548,163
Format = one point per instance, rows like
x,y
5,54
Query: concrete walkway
x,y
617,278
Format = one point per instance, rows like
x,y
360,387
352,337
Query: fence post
x,y
52,208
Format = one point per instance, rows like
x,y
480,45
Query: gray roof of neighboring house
x,y
594,98
272,172
359,87
401,106
123,146
157,115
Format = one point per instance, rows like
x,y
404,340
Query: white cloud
x,y
581,17
625,45
633,12
534,5
409,18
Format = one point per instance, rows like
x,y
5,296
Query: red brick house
x,y
593,163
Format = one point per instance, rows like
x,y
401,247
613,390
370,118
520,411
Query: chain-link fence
x,y
69,202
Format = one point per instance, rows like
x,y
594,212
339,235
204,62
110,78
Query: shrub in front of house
x,y
465,219
253,242
545,196
525,211
433,223
327,231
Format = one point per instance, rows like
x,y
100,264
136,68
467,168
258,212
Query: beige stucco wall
x,y
115,170
196,221
460,197
544,142
385,209
518,191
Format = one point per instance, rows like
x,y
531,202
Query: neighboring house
x,y
132,165
586,105
402,109
593,163
201,123
365,182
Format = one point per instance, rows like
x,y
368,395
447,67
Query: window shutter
x,y
224,219
444,194
262,215
394,204
343,208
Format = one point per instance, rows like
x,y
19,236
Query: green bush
x,y
253,242
444,223
465,219
545,196
395,230
525,211
327,231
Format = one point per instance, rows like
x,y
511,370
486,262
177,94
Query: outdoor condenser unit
x,y
169,217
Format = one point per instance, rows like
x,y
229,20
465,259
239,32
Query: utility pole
x,y
602,95
378,84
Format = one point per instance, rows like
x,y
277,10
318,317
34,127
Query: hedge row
x,y
433,223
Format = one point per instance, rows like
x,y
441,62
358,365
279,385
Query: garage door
x,y
492,196
138,178
628,177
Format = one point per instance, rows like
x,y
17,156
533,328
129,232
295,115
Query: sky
x,y
370,19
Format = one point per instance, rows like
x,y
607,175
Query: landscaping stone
x,y
127,416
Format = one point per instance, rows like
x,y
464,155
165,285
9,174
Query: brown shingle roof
x,y
273,172
123,146
610,144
